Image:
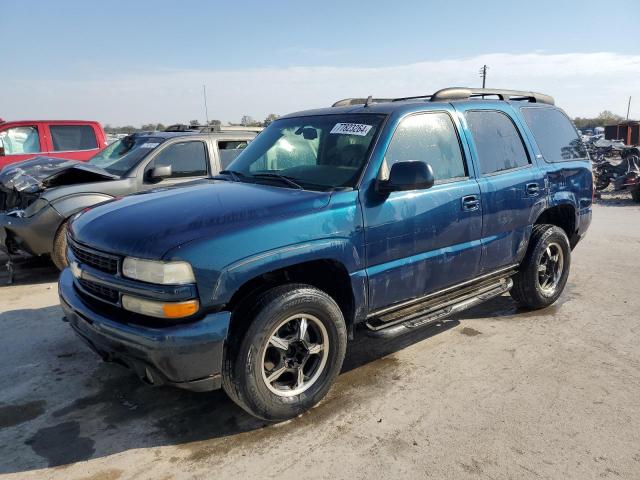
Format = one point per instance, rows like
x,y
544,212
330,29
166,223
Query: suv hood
x,y
40,173
148,225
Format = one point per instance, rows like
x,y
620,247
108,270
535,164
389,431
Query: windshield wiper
x,y
234,174
278,176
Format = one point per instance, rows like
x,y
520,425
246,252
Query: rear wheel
x,y
543,273
59,252
289,355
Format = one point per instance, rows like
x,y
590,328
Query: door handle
x,y
470,203
533,189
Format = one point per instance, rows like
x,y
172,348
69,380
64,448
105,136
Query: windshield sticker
x,y
149,145
351,129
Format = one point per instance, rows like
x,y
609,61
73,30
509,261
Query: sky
x,y
135,62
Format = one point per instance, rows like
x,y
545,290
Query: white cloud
x,y
582,83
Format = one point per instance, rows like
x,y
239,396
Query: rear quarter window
x,y
554,134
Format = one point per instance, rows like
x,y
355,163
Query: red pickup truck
x,y
72,139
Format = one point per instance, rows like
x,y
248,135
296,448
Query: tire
x,y
59,252
533,287
635,193
252,370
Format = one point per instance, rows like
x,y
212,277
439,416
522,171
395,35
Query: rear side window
x,y
67,138
498,143
229,150
431,138
555,135
187,159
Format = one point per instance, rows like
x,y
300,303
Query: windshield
x,y
122,155
316,152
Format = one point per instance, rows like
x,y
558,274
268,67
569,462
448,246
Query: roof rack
x,y
181,127
456,93
463,93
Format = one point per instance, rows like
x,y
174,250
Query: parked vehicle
x,y
625,174
37,197
70,139
387,215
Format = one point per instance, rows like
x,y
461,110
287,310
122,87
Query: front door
x,y
418,242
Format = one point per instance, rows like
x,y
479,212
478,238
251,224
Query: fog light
x,y
160,309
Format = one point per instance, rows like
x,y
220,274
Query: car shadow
x,y
100,409
27,270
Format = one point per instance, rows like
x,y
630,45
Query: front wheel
x,y
543,273
291,352
59,252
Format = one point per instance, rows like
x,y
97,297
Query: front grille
x,y
100,291
97,260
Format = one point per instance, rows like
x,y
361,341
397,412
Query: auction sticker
x,y
351,129
149,145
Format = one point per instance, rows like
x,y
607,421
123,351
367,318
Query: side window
x,y
229,150
67,138
187,159
431,138
555,135
19,140
497,141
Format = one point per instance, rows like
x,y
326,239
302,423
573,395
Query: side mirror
x,y
2,154
409,175
161,172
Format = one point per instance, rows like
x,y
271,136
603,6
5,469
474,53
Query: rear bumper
x,y
186,356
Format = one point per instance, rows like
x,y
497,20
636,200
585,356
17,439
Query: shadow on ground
x,y
106,410
28,270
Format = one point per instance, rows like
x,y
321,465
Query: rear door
x,y
75,141
510,183
418,242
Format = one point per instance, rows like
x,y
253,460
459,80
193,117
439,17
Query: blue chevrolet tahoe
x,y
384,214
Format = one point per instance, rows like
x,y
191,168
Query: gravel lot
x,y
494,393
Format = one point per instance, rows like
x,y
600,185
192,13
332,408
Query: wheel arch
x,y
563,215
326,274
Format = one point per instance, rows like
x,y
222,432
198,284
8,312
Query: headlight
x,y
165,273
160,309
35,207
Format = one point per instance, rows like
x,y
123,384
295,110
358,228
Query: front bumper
x,y
34,234
187,356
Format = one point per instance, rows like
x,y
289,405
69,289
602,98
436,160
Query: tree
x,y
604,118
247,121
270,118
194,123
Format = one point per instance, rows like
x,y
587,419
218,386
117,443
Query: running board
x,y
436,310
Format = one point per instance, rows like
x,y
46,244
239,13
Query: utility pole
x,y
483,74
206,111
628,108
